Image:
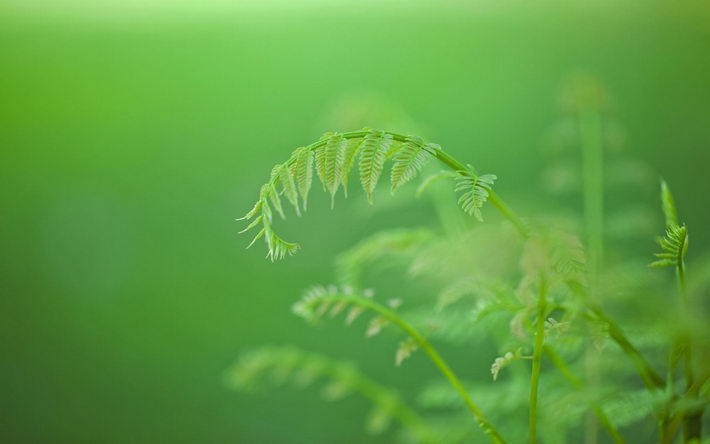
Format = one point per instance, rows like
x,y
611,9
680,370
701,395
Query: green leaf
x,y
304,173
372,159
475,190
288,182
334,158
410,159
351,150
320,156
278,248
674,246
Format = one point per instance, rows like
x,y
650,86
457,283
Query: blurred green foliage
x,y
128,146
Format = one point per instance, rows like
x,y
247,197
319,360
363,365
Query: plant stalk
x,y
537,359
592,144
435,357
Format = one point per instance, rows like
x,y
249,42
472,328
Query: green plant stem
x,y
435,357
692,423
537,359
558,362
591,134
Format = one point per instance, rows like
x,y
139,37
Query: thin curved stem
x,y
425,345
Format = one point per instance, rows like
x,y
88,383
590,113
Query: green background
x,y
130,140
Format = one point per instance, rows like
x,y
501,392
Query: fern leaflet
x,y
304,173
410,159
476,190
674,246
372,159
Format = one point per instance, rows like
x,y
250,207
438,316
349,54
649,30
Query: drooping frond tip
x,y
333,157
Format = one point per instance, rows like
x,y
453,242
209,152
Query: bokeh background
x,y
132,134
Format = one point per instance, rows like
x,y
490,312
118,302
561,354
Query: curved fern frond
x,y
313,306
476,190
333,157
282,364
674,246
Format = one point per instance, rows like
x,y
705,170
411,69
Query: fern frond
x,y
674,246
333,157
475,192
410,159
372,159
282,364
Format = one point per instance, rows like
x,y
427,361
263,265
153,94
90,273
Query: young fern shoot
x,y
333,157
675,245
